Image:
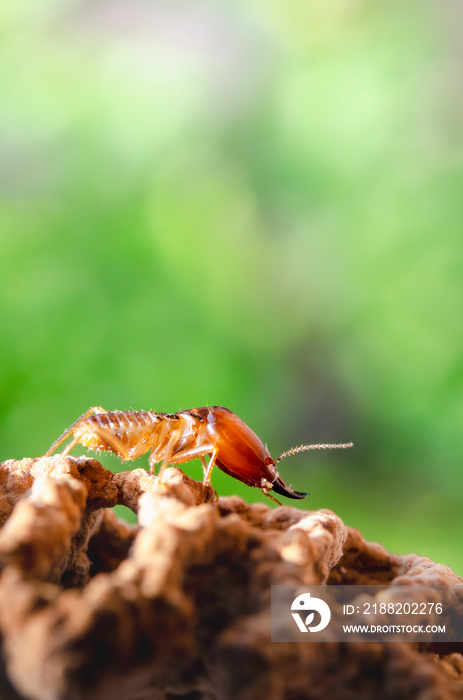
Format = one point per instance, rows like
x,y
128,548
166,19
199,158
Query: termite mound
x,y
178,606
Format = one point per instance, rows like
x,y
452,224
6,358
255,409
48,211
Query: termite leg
x,y
151,462
200,452
265,487
162,435
203,462
168,453
210,466
115,443
185,456
68,431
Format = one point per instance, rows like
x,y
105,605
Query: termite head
x,y
241,453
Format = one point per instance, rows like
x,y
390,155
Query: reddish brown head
x,y
242,454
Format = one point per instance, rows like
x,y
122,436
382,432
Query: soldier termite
x,y
174,438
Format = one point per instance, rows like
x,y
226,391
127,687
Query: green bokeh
x,y
257,205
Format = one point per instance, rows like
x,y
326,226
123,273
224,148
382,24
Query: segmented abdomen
x,y
136,429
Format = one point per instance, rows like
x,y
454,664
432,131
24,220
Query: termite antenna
x,y
303,448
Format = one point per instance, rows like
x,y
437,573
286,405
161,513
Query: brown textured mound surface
x,y
178,607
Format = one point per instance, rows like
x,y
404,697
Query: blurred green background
x,y
252,204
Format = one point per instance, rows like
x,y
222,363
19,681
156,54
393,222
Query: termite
x,y
174,438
